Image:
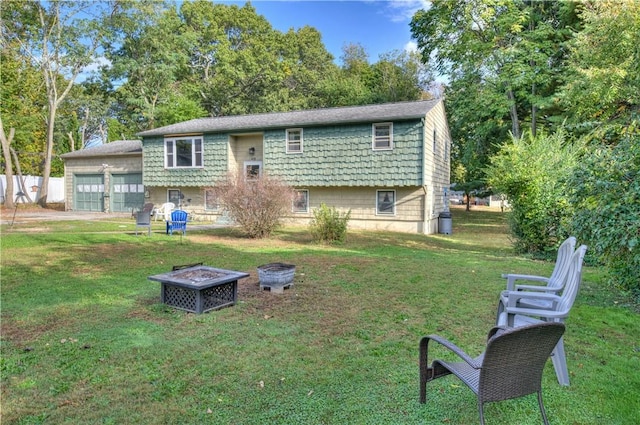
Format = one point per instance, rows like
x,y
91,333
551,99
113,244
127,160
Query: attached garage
x,y
105,178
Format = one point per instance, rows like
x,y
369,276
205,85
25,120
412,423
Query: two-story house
x,y
388,163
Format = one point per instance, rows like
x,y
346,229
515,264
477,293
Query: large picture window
x,y
301,201
294,140
386,202
383,136
184,152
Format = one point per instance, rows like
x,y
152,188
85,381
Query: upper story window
x,y
383,136
183,152
294,140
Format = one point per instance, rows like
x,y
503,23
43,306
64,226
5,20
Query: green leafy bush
x,y
329,225
605,193
532,172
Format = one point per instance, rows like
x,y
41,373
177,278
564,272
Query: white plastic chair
x,y
553,282
164,210
511,313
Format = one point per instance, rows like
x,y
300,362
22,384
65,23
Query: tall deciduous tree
x,y
61,38
503,59
603,81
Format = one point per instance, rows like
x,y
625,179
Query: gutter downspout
x,y
424,179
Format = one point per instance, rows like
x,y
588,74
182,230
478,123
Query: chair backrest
x,y
179,216
166,209
565,251
573,280
514,360
179,219
143,218
147,207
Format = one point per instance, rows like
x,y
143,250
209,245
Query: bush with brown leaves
x,y
256,204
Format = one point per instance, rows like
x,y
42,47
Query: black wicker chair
x,y
510,367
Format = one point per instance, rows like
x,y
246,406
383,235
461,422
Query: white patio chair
x,y
511,313
164,210
552,283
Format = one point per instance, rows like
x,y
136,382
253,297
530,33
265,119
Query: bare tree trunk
x,y
72,142
513,112
22,188
534,111
6,142
46,172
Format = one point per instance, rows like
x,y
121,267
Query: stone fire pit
x,y
276,276
199,289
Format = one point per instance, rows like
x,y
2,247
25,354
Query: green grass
x,y
86,341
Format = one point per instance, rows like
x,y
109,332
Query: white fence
x,y
33,184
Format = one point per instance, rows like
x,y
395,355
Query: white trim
x,y
193,140
246,163
286,135
293,209
383,138
393,204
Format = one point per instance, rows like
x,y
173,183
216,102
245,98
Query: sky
x,y
380,26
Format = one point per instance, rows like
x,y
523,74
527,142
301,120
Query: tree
x,y
399,76
147,61
23,100
603,83
604,191
61,38
6,152
503,59
532,173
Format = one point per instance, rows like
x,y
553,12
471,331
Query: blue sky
x,y
380,26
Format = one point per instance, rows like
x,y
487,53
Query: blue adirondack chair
x,y
178,222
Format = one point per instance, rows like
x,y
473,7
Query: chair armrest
x,y
457,350
513,297
537,288
512,277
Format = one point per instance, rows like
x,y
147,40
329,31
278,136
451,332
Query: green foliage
x,y
329,224
603,82
504,60
531,172
605,196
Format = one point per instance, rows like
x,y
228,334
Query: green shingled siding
x,y
343,156
215,164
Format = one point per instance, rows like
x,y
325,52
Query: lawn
x,y
85,339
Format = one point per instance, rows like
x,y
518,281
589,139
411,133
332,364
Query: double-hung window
x,y
294,140
382,136
183,152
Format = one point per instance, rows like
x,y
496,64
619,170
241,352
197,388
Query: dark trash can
x,y
445,223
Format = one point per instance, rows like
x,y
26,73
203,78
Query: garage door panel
x,y
89,192
127,192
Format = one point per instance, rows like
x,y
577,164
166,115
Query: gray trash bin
x,y
445,223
